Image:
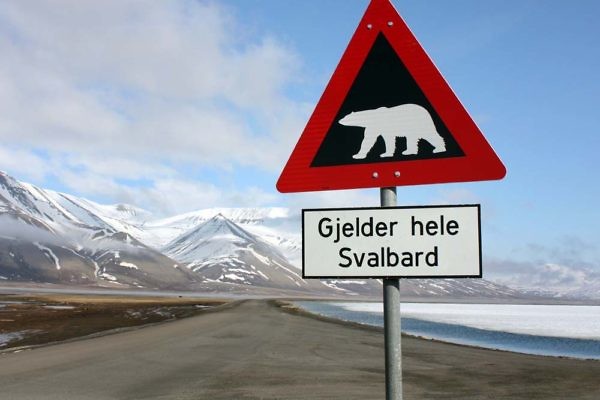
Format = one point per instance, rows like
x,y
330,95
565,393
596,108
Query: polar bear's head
x,y
352,119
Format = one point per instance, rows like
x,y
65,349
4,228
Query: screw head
x,y
390,23
369,26
375,175
397,174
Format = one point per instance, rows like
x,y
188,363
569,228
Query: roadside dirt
x,y
38,320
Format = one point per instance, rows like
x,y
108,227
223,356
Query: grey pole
x,y
391,321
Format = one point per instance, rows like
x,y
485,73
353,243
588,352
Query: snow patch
x,y
48,252
8,337
263,259
128,265
96,268
108,277
332,285
259,272
287,269
234,277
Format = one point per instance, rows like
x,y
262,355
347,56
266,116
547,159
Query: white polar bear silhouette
x,y
406,120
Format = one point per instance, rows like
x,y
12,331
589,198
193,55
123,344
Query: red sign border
x,y
480,162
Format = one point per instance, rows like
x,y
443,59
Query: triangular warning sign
x,y
387,118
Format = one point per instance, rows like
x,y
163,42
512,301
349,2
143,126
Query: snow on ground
x,y
287,269
128,265
48,254
5,338
259,257
333,285
582,322
233,277
108,276
96,268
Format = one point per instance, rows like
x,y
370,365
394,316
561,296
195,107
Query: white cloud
x,y
165,195
117,90
172,196
552,277
29,165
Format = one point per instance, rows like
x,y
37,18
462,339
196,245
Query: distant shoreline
x,y
591,346
257,293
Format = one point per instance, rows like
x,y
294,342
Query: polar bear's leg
x,y
412,146
390,145
366,145
438,143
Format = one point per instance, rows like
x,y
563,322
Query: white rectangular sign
x,y
402,242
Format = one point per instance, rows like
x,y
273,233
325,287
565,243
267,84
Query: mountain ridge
x,y
59,238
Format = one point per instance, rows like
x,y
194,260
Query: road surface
x,y
256,350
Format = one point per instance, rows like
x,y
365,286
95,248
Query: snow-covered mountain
x,y
456,288
275,225
52,237
220,250
216,239
585,287
49,237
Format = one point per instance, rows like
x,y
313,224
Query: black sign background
x,y
383,81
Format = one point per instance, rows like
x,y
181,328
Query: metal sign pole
x,y
391,320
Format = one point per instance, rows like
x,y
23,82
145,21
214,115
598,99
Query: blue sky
x,y
180,105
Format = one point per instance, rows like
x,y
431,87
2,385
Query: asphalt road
x,y
255,350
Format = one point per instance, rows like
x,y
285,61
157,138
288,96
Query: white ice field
x,y
569,321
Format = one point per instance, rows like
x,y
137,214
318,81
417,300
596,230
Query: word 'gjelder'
x,y
328,228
